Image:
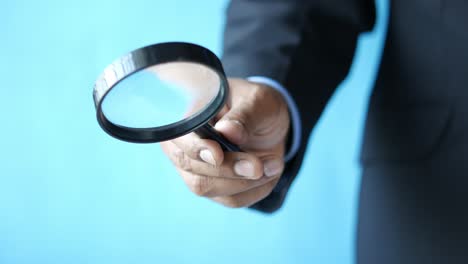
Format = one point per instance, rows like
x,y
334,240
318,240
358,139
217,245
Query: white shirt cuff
x,y
293,110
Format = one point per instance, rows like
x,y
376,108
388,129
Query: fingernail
x,y
207,157
272,167
244,168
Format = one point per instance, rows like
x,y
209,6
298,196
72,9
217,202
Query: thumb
x,y
235,125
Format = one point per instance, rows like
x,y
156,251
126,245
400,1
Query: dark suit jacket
x,y
414,195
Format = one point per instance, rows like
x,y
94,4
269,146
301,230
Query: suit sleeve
x,y
305,45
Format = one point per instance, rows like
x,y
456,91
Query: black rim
x,y
143,58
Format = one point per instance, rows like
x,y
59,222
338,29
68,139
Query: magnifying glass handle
x,y
207,131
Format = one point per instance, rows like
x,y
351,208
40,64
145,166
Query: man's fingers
x,y
236,165
219,187
248,197
196,148
238,173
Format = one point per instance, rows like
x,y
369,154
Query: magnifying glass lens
x,y
161,92
161,95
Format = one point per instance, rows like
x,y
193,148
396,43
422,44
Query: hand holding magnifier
x,y
162,92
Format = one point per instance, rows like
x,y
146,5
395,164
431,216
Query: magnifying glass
x,y
161,92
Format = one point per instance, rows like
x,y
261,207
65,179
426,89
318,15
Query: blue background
x,y
71,194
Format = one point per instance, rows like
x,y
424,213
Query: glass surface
x,y
161,95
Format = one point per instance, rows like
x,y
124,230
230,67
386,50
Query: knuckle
x,y
197,144
200,185
245,183
268,94
183,161
261,92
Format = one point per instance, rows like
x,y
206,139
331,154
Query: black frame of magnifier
x,y
145,57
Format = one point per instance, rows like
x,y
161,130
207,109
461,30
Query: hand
x,y
256,118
